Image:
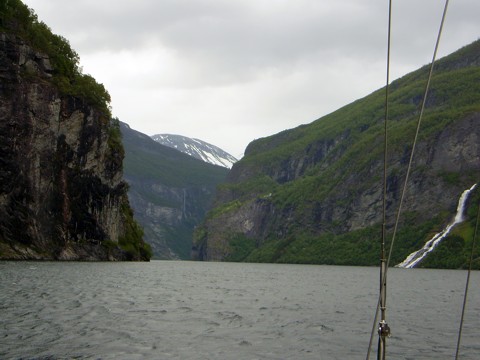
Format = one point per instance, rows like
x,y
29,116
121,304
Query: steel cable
x,y
419,121
467,283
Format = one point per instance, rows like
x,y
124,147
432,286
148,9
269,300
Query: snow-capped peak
x,y
197,148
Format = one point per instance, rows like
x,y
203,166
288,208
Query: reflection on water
x,y
193,310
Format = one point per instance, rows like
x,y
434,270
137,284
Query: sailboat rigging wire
x,y
420,117
382,298
467,283
382,294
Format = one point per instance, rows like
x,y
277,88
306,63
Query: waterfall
x,y
415,257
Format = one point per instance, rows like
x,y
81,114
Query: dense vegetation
x,y
132,240
353,136
17,18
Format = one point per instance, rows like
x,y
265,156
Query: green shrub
x,y
240,247
132,240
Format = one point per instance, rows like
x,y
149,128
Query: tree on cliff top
x,y
19,19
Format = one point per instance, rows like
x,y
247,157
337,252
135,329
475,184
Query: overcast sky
x,y
231,71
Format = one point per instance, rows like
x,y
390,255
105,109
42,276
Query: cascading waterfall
x,y
415,257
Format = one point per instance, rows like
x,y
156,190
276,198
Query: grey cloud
x,y
234,41
248,64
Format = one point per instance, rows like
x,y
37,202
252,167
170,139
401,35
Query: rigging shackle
x,y
383,329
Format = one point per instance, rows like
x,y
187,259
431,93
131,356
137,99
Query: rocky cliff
x,y
61,191
314,194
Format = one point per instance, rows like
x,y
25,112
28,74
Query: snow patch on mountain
x,y
197,148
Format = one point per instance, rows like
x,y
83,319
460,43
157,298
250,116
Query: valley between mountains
x,y
78,184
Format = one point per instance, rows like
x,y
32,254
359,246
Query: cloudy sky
x,y
230,71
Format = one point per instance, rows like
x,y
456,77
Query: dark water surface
x,y
194,310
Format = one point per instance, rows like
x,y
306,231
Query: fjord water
x,y
198,310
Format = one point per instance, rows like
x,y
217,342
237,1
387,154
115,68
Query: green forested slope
x,y
313,193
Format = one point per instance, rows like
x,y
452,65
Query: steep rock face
x,y
304,189
253,220
170,192
356,203
61,188
168,215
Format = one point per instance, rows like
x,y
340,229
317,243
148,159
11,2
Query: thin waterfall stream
x,y
415,257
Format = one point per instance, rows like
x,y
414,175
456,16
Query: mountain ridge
x,y
197,148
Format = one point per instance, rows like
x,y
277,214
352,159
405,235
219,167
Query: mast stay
x,y
383,328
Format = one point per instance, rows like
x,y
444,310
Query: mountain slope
x,y
197,148
170,192
313,194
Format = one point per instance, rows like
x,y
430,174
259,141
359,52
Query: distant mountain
x,y
170,192
197,148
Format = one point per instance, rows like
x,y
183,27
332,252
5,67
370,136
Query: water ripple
x,y
188,310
